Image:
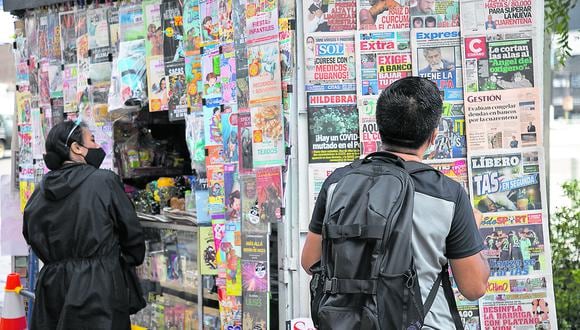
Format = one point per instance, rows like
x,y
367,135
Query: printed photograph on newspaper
x,y
370,140
506,180
450,141
329,15
383,15
381,59
317,174
434,14
499,61
333,127
518,304
489,15
455,169
437,56
514,244
330,58
503,120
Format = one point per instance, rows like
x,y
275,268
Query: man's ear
x,y
75,147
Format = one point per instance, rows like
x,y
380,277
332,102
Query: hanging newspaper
x,y
53,38
329,15
435,14
482,15
317,174
330,59
499,61
455,169
381,58
267,136
68,38
502,120
131,23
507,180
100,68
333,127
437,56
370,139
383,15
450,141
514,304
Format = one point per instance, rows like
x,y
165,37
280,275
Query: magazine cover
x,y
255,263
216,202
435,14
383,15
209,13
210,68
228,73
499,61
230,137
172,23
177,102
251,220
31,28
131,23
333,127
241,49
489,15
69,87
157,88
68,37
43,37
503,120
330,58
270,194
98,32
53,37
231,253
230,310
114,32
256,310
131,67
194,81
155,36
55,81
245,136
287,49
207,249
264,73
382,58
232,193
506,180
192,27
437,56
226,23
213,125
329,15
267,136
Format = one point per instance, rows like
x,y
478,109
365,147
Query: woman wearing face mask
x,y
83,227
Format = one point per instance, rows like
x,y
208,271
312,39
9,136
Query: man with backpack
x,y
384,229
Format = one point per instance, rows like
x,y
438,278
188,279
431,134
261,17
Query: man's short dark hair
x,y
408,111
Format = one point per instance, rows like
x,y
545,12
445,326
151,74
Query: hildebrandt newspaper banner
x,y
499,61
437,56
489,15
507,180
518,304
330,59
502,120
383,15
329,15
382,58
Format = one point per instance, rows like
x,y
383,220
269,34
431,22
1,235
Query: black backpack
x,y
366,278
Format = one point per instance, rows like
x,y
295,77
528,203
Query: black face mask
x,y
95,156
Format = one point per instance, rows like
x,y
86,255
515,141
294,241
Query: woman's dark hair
x,y
57,146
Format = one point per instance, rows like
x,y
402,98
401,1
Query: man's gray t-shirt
x,y
443,228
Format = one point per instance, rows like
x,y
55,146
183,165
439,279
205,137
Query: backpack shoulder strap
x,y
443,278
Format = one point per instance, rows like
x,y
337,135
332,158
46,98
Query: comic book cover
x,y
114,32
226,27
131,23
513,304
31,28
270,194
261,26
157,84
255,263
489,15
131,67
22,73
499,61
455,169
230,253
216,201
20,44
437,56
219,228
329,15
506,180
502,120
210,68
68,37
230,310
230,137
33,76
209,13
251,220
55,80
213,125
69,87
382,58
177,102
192,27
435,14
256,310
56,107
155,36
194,81
228,73
245,137
242,82
215,155
333,127
207,249
383,15
172,23
232,192
267,136
43,37
53,37
330,58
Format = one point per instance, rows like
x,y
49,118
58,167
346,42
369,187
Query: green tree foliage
x,y
565,239
557,14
